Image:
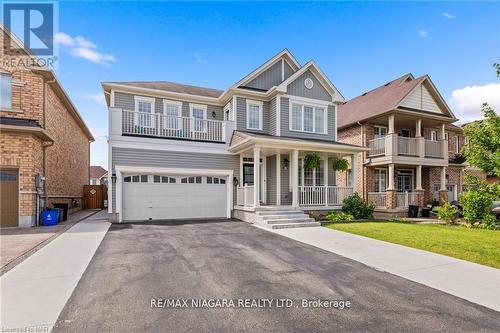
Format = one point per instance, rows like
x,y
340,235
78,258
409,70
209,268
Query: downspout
x,y
363,158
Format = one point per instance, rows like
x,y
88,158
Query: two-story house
x,y
414,148
179,151
44,142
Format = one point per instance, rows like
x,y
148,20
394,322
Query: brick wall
x,y
352,135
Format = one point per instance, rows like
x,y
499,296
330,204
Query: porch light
x,y
285,164
113,178
214,114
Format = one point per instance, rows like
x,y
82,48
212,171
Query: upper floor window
x,y
227,112
434,136
145,107
199,115
254,115
172,112
307,118
379,131
5,91
446,136
456,147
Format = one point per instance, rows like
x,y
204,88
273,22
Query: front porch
x,y
281,180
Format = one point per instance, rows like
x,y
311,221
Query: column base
x,y
420,198
390,199
443,197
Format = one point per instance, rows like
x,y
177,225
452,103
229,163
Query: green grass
x,y
477,245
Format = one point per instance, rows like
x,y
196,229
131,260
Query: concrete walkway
x,y
473,282
34,292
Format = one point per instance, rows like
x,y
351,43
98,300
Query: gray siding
x,y
285,123
286,195
126,101
271,180
268,79
332,176
172,159
297,88
272,116
288,71
241,117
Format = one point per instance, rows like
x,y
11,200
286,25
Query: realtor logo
x,y
34,25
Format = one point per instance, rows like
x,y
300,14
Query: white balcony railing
x,y
323,195
407,146
244,195
159,125
433,149
377,146
378,198
404,199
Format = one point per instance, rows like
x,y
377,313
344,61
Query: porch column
x,y
445,142
391,124
256,177
278,179
418,185
443,191
418,128
295,178
326,167
390,192
420,139
391,177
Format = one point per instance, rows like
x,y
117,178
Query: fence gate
x,y
94,196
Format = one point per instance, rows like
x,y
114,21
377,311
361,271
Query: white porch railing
x,y
433,148
378,198
377,146
407,146
323,195
404,199
159,125
244,195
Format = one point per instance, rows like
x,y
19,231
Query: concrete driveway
x,y
234,260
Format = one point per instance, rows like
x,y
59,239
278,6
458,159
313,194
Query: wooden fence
x,y
94,196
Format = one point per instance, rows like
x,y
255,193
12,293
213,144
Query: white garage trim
x,y
121,170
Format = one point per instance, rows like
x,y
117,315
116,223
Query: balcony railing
x,y
404,199
433,149
159,125
407,146
244,195
377,146
323,195
378,198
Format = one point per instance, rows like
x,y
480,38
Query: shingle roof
x,y
377,101
18,122
97,171
175,87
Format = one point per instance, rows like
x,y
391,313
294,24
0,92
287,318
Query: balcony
x,y
171,127
394,145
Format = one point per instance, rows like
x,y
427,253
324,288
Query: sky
x,y
359,45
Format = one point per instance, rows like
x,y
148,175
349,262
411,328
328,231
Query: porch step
x,y
295,225
280,218
280,212
296,220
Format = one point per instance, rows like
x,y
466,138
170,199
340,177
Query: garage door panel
x,y
158,201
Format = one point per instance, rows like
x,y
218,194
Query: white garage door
x,y
160,197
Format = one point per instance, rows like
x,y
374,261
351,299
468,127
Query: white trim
x,y
278,179
112,98
227,108
278,115
314,106
282,69
260,104
316,102
235,109
434,135
138,99
204,107
110,181
164,111
336,122
121,170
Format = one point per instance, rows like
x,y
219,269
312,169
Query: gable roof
x,y
97,171
383,99
285,54
173,87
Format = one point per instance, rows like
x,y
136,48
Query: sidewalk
x,y
34,292
16,244
473,282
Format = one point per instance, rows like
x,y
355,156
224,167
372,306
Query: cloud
x,y
83,48
98,98
466,102
423,33
448,15
200,58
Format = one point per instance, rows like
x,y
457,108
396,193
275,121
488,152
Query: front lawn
x,y
476,245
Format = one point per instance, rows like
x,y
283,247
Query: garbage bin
x,y
50,217
413,211
426,212
64,207
61,212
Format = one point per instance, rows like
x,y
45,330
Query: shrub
x,y
355,206
339,217
490,222
476,205
447,213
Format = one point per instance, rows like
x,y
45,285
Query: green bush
x,y
447,213
339,217
476,205
355,206
490,222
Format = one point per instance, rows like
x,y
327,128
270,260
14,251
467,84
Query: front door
x,y
405,181
248,177
9,200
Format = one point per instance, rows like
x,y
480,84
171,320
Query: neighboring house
x,y
414,148
44,143
179,151
98,175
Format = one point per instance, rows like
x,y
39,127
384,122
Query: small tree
x,y
447,213
355,206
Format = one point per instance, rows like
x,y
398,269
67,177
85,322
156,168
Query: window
x,y
405,133
311,177
172,112
456,146
380,180
434,136
136,179
446,136
144,178
199,115
93,182
248,174
145,107
5,91
254,115
379,131
227,112
349,178
307,118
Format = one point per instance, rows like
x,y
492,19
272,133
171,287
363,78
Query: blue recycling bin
x,y
50,217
